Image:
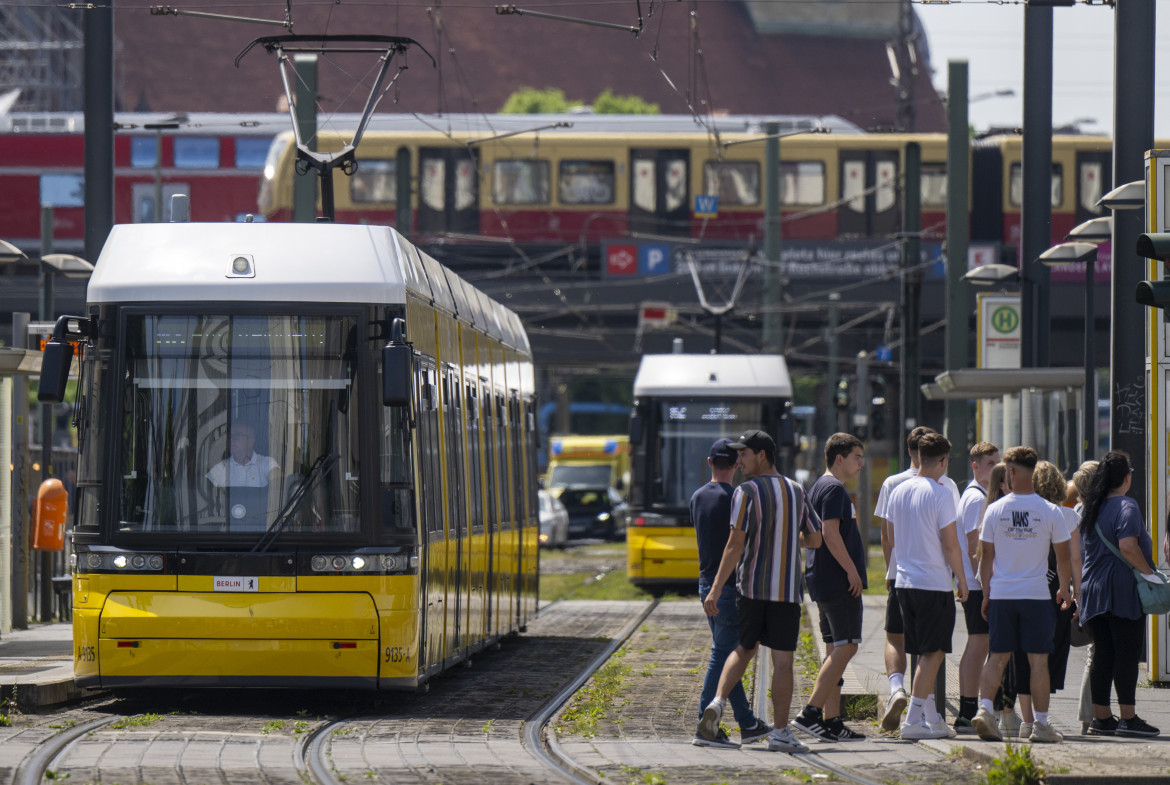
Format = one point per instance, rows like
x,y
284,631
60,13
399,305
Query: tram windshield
x,y
237,423
686,429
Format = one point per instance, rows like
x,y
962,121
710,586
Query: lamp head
x,y
1131,196
67,264
990,274
1094,230
1069,253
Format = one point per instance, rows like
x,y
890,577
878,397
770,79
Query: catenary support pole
x,y
910,376
305,185
958,236
773,317
1036,218
99,126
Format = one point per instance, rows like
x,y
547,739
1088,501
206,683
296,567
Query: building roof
x,y
722,63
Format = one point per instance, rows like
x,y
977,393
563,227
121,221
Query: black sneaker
x,y
1105,727
756,732
842,731
1135,726
721,740
813,725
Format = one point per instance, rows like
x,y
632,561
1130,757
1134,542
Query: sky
x,y
990,38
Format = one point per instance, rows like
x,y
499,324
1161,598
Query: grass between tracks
x,y
588,572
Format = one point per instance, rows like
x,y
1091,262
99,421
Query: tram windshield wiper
x,y
318,471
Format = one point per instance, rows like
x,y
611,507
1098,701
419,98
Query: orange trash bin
x,y
52,504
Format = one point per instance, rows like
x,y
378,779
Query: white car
x,y
554,521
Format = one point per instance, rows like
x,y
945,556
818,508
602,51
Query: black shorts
x,y
894,625
774,624
1022,625
929,619
840,619
973,613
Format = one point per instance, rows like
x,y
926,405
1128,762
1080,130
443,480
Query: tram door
x,y
457,505
869,195
1094,180
448,190
491,518
430,497
660,191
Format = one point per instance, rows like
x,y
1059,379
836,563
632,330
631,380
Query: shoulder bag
x,y
1154,597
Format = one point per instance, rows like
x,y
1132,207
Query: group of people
x,y
1030,557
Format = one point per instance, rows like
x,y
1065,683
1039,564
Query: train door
x,y
530,521
475,563
504,564
491,518
437,573
1094,180
448,190
869,195
660,191
457,506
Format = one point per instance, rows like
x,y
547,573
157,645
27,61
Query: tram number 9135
x,y
395,654
86,654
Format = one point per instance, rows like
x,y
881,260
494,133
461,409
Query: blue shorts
x,y
1022,625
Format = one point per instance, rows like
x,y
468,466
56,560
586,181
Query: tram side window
x,y
397,501
504,473
734,182
586,182
489,460
1016,187
520,182
802,182
91,449
934,185
375,181
196,152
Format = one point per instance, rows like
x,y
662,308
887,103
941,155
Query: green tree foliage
x,y
529,100
608,103
552,100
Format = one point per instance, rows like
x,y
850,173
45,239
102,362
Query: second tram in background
x,y
683,403
307,459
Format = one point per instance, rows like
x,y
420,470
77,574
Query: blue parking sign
x,y
653,259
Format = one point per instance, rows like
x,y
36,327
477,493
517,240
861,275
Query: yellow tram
x,y
307,459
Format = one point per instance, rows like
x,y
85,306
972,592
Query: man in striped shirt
x,y
770,520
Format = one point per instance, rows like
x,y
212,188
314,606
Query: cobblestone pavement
x,y
645,735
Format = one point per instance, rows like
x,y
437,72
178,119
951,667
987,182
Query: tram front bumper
x,y
226,639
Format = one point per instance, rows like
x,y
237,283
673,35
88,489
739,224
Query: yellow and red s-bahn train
x,y
307,459
525,179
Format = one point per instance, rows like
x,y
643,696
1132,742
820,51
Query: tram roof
x,y
293,262
712,375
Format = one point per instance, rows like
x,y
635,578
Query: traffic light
x,y
841,397
1156,294
877,417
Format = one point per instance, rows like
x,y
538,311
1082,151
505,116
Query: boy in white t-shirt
x,y
922,511
1015,536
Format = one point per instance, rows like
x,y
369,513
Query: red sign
x,y
621,260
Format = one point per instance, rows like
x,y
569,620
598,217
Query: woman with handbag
x,y
1115,543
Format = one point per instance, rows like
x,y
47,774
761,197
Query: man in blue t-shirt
x,y
835,577
711,517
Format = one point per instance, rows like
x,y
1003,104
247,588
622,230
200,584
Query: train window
x,y
520,182
252,152
802,182
1016,188
676,184
586,182
734,182
934,185
886,194
196,152
144,151
645,185
63,190
375,181
1091,175
432,183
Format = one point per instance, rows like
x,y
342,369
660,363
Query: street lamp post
x,y
1073,253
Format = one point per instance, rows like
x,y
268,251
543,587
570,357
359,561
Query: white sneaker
x,y
922,730
892,716
783,740
1025,730
709,724
1009,724
985,726
1044,734
947,731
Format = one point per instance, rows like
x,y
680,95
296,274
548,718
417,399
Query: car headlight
x,y
603,516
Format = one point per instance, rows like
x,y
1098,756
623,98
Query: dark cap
x,y
722,449
757,441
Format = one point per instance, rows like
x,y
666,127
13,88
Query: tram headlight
x,y
319,563
120,561
156,562
94,560
73,561
138,561
396,562
358,563
339,562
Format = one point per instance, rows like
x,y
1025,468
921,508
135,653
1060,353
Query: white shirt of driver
x,y
919,510
1021,527
880,509
252,474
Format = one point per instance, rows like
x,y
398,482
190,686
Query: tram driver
x,y
250,481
